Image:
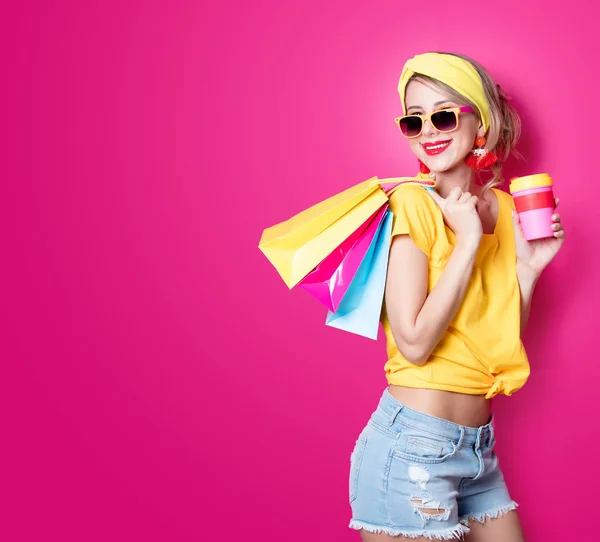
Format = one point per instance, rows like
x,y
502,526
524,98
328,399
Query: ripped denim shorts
x,y
413,474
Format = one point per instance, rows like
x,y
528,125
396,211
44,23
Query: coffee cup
x,y
534,201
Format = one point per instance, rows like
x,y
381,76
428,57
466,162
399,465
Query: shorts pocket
x,y
422,447
355,462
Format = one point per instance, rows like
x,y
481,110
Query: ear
x,y
480,131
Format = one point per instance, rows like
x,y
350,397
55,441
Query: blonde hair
x,y
505,123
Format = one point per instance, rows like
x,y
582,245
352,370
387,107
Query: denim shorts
x,y
413,474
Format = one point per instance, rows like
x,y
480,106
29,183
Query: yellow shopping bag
x,y
295,247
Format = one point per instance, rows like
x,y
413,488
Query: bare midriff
x,y
460,408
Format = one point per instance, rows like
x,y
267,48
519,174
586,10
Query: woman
x,y
459,286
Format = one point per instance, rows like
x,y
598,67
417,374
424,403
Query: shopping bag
x,y
360,310
295,247
311,247
329,281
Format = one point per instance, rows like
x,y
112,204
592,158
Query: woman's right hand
x,y
460,213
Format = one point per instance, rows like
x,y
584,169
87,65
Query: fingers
x,y
557,226
464,197
468,198
473,201
454,194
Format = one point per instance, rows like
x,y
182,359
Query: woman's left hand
x,y
538,253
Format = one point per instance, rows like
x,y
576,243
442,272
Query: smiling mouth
x,y
431,149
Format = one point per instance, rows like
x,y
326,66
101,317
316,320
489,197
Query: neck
x,y
461,175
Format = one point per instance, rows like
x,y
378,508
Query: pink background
x,y
159,381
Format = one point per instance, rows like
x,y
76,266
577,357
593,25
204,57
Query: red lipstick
x,y
436,147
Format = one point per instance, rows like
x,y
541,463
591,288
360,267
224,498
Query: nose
x,y
428,128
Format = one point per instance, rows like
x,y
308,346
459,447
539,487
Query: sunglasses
x,y
445,120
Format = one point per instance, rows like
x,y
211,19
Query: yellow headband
x,y
452,70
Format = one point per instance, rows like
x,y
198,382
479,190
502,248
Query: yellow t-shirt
x,y
481,352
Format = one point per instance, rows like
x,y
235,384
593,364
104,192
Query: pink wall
x,y
159,381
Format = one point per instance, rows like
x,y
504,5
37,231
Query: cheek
x,y
467,134
463,146
416,148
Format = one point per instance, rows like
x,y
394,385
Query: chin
x,y
442,166
439,168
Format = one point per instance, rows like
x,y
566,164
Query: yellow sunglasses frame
x,y
456,110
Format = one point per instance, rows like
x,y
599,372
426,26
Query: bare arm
x,y
527,281
532,259
418,320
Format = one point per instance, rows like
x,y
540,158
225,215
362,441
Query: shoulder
x,y
415,213
411,194
414,203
